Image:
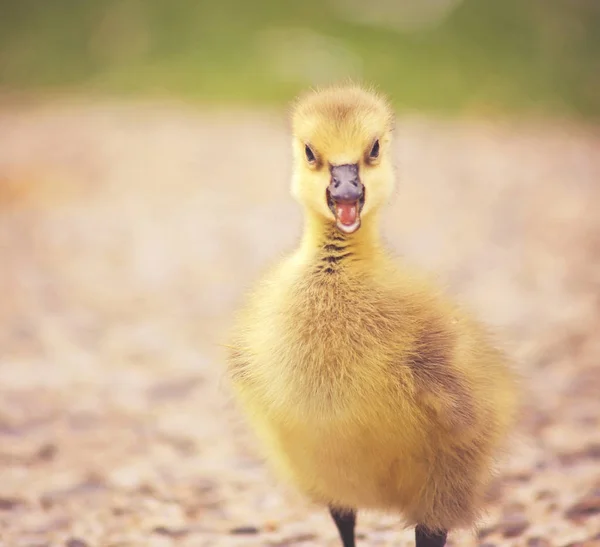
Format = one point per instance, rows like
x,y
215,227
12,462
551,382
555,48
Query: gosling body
x,y
366,385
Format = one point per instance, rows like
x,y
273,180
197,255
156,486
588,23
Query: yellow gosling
x,y
367,387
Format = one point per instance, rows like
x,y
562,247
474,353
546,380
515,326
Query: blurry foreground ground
x,y
127,235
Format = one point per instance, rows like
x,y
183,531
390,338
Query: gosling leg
x,y
345,521
426,538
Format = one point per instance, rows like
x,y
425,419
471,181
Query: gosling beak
x,y
346,197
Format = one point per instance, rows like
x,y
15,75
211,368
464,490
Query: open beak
x,y
346,197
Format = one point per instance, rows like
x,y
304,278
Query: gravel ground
x,y
127,236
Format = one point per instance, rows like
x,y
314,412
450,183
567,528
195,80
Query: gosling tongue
x,y
346,213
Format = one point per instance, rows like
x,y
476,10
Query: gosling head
x,y
341,144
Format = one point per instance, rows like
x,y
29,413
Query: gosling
x,y
367,386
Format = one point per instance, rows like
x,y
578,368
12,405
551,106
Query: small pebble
x,y
301,538
593,451
484,532
244,530
513,525
586,507
545,495
46,452
538,542
75,542
6,504
170,532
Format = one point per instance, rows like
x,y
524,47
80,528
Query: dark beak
x,y
346,197
345,185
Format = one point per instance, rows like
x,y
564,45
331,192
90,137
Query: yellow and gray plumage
x,y
367,386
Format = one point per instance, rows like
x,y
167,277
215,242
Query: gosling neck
x,y
321,234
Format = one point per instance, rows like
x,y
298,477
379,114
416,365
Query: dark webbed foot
x,y
427,538
345,521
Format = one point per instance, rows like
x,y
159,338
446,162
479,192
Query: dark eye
x,y
374,153
310,156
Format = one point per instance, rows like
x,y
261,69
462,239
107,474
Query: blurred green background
x,y
540,57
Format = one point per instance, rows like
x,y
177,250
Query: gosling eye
x,y
310,155
374,153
